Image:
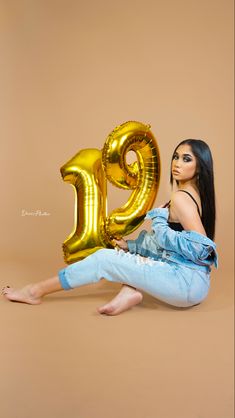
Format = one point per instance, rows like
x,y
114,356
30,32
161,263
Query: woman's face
x,y
184,164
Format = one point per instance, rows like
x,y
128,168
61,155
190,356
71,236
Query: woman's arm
x,y
145,244
190,244
162,236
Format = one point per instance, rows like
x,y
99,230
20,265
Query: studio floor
x,y
62,359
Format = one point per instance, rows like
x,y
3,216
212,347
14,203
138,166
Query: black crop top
x,y
176,226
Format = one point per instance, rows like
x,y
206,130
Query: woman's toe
x,y
5,289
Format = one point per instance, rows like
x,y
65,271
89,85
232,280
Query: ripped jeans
x,y
165,280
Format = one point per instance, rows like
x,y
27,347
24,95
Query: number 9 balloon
x,y
88,172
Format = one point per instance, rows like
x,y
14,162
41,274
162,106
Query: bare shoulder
x,y
181,201
184,209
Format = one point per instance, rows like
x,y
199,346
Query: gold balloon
x,y
88,172
84,172
142,176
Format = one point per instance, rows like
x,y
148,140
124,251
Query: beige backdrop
x,y
73,70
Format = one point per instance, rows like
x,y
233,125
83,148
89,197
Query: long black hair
x,y
205,182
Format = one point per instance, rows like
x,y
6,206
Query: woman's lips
x,y
175,172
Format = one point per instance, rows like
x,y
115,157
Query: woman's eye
x,y
185,159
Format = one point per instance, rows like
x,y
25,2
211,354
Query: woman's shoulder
x,y
184,210
187,199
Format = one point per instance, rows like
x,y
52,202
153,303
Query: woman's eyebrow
x,y
189,155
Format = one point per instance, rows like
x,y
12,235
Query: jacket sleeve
x,y
145,245
196,249
135,245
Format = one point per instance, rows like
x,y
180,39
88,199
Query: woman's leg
x,y
166,282
33,293
158,278
125,299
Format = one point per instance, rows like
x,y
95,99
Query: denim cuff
x,y
63,281
131,244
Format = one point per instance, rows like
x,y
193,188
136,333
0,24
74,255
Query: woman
x,y
172,262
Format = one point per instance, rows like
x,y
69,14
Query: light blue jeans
x,y
167,281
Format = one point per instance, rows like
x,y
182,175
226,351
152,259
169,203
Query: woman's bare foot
x,y
27,294
126,298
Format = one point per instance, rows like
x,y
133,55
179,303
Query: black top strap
x,y
180,190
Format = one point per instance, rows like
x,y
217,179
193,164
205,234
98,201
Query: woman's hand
x,y
121,243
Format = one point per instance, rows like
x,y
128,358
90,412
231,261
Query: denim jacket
x,y
188,248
